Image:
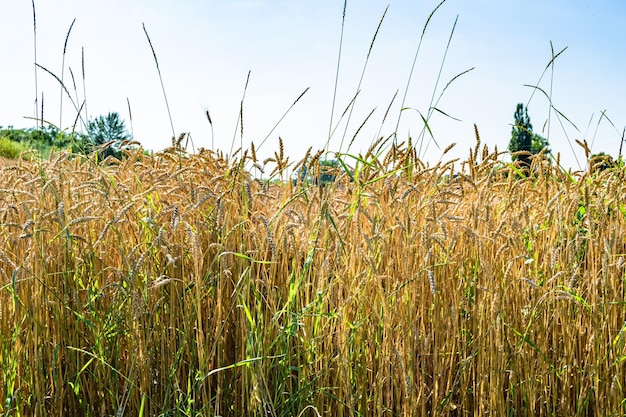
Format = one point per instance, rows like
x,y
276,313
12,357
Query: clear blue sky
x,y
206,48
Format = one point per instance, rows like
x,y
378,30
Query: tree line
x,y
106,135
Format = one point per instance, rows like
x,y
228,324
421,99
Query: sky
x,y
206,49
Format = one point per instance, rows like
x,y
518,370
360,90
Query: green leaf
x,y
445,114
246,257
237,364
532,344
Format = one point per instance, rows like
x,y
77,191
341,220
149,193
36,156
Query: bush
x,y
10,149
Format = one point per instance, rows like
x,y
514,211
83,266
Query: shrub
x,y
10,149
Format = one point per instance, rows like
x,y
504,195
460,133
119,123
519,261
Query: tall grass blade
x,y
551,90
67,37
359,128
35,53
63,87
560,118
156,61
332,107
130,117
408,83
432,98
82,65
343,114
282,117
382,123
208,116
425,122
358,88
239,124
453,79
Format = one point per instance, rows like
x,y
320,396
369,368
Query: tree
x,y
524,139
327,173
601,161
106,130
539,143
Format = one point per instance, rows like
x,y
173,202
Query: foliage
x,y
10,149
106,135
601,161
325,174
538,144
40,140
523,139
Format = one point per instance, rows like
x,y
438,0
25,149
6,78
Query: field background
x,y
178,284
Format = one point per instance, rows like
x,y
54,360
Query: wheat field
x,y
178,285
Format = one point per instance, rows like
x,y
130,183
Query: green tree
x,y
601,161
524,139
106,130
48,136
538,144
327,173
